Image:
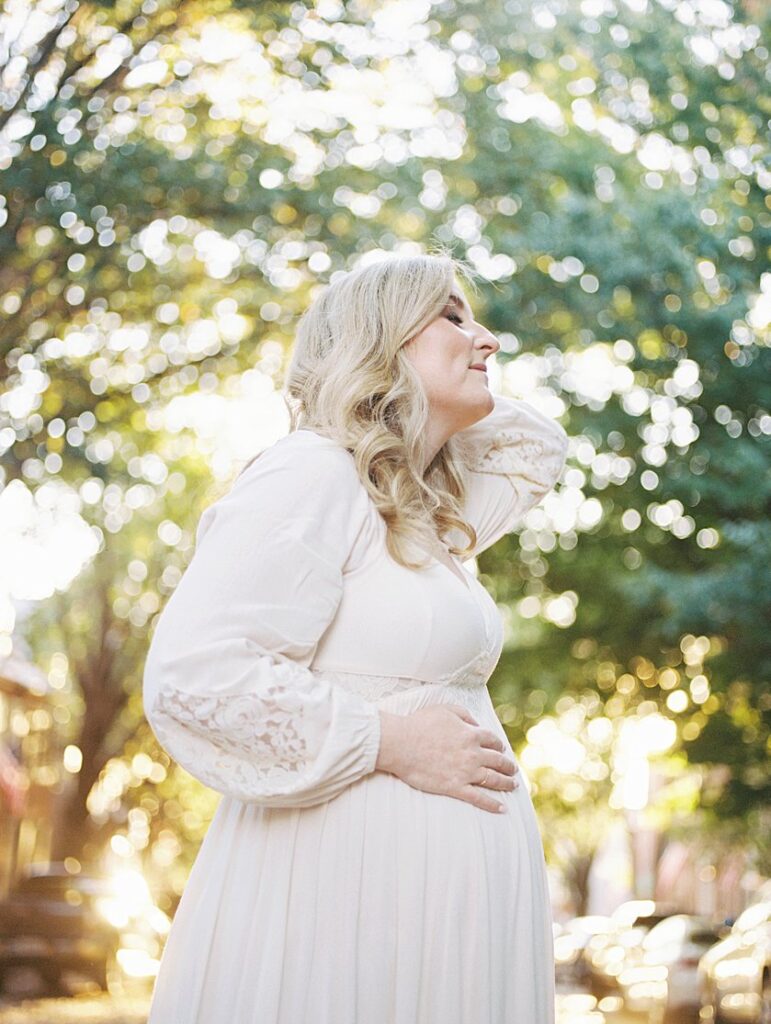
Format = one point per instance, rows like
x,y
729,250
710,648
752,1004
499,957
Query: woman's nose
x,y
488,341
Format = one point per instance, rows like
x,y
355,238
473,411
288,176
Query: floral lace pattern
x,y
268,745
517,451
261,742
370,687
264,727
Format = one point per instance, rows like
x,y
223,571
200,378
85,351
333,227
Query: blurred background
x,y
176,181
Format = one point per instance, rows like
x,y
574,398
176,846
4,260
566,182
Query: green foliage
x,y
169,210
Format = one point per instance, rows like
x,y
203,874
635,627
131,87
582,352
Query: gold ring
x,y
484,780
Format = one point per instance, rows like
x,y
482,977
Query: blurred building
x,y
28,757
639,860
718,887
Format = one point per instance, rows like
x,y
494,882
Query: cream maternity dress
x,y
325,892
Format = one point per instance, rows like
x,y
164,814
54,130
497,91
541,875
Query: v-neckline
x,y
463,576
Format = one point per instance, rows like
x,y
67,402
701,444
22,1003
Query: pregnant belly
x,y
400,890
389,847
463,824
387,839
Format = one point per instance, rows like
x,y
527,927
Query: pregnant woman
x,y
323,665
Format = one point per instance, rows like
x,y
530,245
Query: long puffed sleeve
x,y
517,455
227,689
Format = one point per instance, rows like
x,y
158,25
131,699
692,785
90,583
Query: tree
x,y
603,172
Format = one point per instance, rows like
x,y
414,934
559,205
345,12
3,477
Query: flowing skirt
x,y
385,905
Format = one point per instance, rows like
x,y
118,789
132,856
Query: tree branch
x,y
46,48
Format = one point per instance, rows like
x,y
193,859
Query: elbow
x,y
560,438
551,462
559,450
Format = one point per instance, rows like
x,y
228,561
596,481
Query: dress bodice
x,y
292,619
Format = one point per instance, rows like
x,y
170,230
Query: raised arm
x,y
516,455
227,688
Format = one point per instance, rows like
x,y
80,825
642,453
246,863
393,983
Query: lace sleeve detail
x,y
265,747
518,452
513,456
228,689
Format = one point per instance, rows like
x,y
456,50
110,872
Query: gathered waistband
x,y
389,688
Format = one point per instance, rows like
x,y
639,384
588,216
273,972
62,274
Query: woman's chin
x,y
488,402
480,409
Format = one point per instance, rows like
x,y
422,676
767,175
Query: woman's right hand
x,y
441,748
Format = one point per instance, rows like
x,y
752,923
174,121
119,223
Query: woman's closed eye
x,y
454,318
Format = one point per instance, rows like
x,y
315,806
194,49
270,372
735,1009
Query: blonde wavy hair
x,y
349,379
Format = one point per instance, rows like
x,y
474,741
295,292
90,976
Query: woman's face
x,y
449,356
